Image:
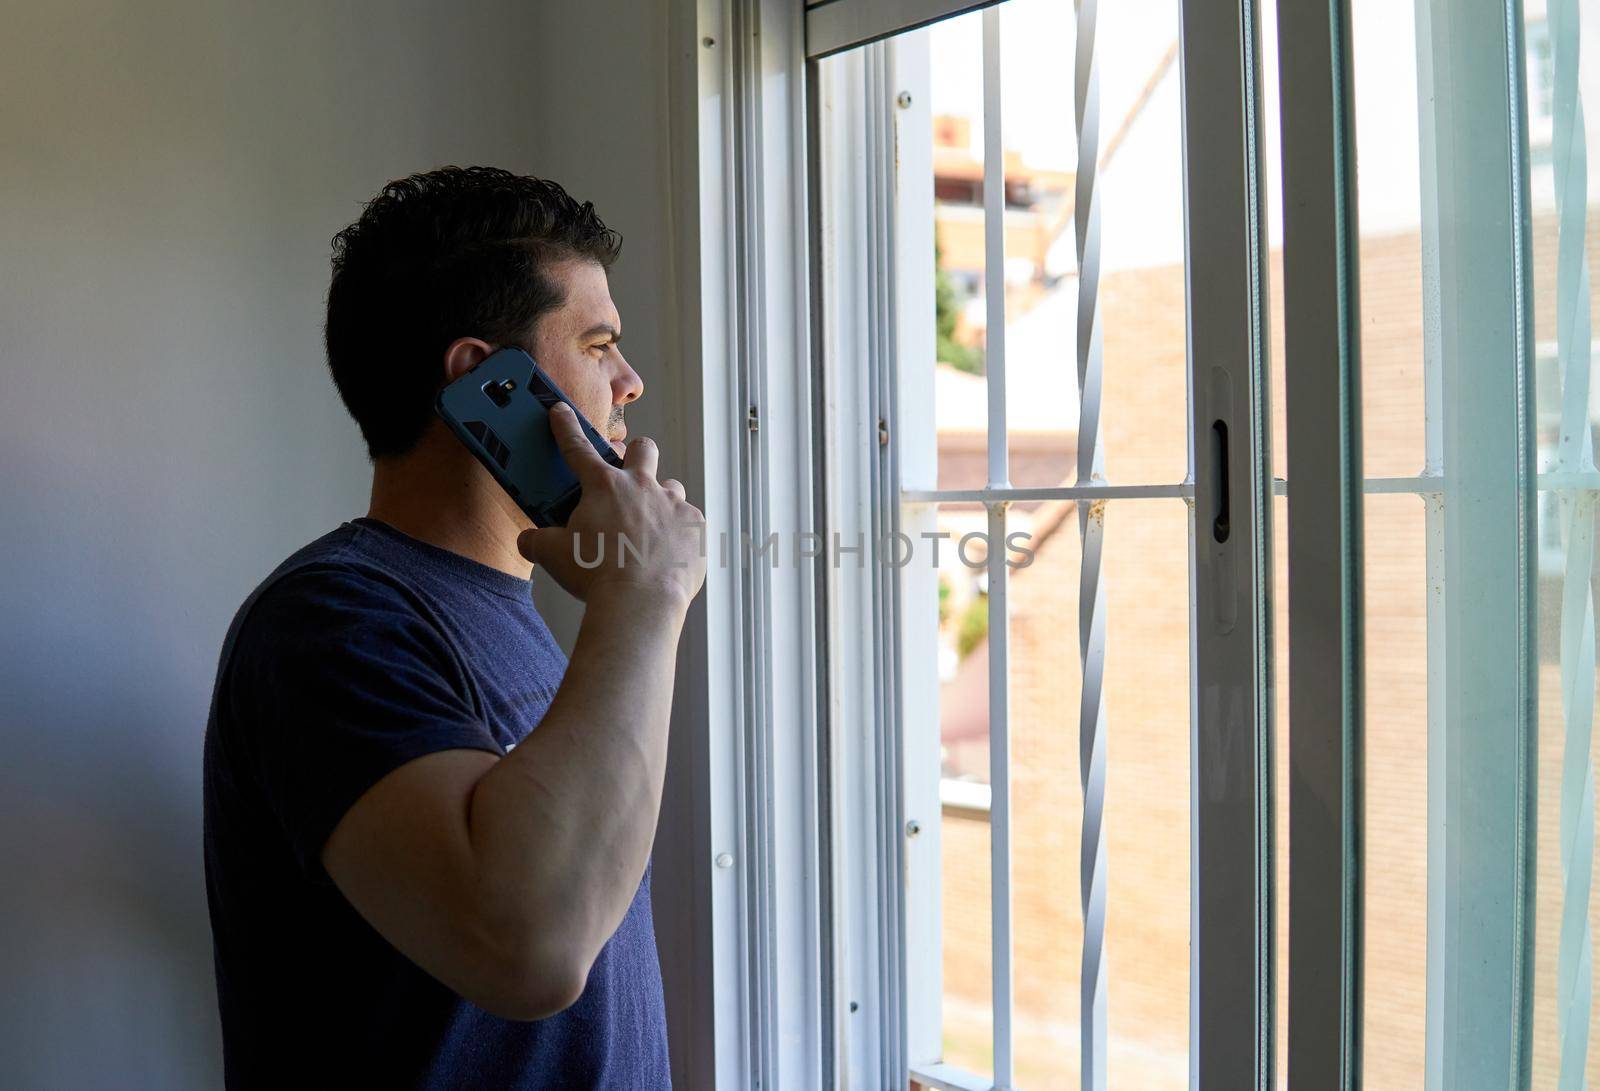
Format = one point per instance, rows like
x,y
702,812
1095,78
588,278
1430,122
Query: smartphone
x,y
501,410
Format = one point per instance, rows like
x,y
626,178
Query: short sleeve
x,y
338,677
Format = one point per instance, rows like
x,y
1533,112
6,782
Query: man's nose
x,y
626,386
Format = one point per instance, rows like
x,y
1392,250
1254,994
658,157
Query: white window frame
x,y
743,946
855,304
872,145
823,815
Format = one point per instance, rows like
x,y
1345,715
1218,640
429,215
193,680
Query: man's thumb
x,y
526,543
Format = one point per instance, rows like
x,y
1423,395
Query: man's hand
x,y
644,533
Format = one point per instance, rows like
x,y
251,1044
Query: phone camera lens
x,y
500,392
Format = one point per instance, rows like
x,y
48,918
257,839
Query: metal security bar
x,y
994,233
1091,579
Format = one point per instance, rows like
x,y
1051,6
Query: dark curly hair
x,y
454,252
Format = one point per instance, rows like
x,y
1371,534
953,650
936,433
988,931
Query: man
x,y
427,834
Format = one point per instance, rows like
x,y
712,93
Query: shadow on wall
x,y
107,935
168,431
105,948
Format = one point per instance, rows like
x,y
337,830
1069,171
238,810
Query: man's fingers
x,y
675,487
573,444
641,455
525,544
551,549
545,546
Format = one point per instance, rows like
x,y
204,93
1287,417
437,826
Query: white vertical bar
x,y
1000,792
994,231
994,251
1092,742
1481,758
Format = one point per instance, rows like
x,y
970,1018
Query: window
x,y
1030,815
1058,608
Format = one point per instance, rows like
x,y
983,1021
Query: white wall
x,y
170,179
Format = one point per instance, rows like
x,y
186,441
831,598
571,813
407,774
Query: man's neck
x,y
440,495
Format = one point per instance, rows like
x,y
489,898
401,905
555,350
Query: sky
x,y
1037,61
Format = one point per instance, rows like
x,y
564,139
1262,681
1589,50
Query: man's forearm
x,y
562,827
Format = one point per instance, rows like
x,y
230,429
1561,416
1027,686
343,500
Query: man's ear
x,y
462,355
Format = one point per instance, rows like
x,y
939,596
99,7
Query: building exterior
x,y
1144,428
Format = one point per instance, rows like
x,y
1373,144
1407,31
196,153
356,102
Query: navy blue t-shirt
x,y
362,651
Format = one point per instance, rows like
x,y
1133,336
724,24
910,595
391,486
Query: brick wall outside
x,y
1147,724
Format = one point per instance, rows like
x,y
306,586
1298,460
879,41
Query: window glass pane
x,y
1395,924
1144,425
961,397
968,1014
1396,571
1389,209
1040,281
1147,730
963,646
1395,769
1141,205
1146,696
968,1011
1139,187
1446,534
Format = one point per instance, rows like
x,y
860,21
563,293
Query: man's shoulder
x,y
329,570
325,583
328,613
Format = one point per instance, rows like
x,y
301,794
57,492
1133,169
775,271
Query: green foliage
x,y
945,311
973,627
944,600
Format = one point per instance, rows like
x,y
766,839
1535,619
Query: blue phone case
x,y
501,411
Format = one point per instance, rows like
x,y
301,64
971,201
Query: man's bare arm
x,y
503,877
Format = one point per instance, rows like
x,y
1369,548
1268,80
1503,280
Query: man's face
x,y
576,345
